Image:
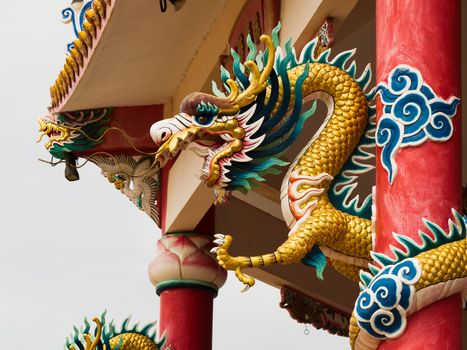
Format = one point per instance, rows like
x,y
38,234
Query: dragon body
x,y
257,122
107,337
312,218
241,134
415,277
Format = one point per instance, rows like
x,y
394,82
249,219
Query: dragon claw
x,y
245,289
219,241
247,281
219,235
229,262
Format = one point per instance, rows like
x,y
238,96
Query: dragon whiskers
x,y
102,153
113,128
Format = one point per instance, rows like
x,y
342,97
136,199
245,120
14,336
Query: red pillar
x,y
186,317
187,278
425,35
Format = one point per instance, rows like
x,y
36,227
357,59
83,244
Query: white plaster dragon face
x,y
222,130
218,139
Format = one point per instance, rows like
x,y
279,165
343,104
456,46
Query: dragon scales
x,y
241,137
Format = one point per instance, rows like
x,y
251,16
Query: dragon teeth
x,y
226,137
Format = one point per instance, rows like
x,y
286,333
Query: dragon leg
x,y
323,227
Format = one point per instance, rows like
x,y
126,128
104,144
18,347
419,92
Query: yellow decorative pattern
x,y
94,19
353,331
133,341
442,264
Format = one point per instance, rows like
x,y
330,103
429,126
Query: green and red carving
x,y
73,132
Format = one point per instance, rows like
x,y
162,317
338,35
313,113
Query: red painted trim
x,y
135,122
425,35
186,318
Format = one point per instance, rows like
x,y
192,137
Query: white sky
x,y
69,250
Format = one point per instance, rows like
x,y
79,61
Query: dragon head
x,y
70,132
52,127
222,130
237,135
240,136
218,136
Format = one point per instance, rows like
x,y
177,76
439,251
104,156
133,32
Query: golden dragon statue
x,y
242,136
107,337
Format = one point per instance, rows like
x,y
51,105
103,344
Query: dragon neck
x,y
345,123
328,150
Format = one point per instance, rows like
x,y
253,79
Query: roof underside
x,y
163,43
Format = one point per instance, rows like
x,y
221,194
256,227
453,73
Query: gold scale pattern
x,y
133,341
442,264
326,226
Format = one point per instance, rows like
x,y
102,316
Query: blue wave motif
x,y
381,307
412,114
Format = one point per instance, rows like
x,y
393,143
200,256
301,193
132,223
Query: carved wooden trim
x,y
305,309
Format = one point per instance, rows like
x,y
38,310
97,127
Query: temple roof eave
x,y
133,60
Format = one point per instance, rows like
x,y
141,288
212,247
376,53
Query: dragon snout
x,y
160,134
164,129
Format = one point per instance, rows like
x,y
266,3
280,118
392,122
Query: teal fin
x,y
315,258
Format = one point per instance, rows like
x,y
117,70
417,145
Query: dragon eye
x,y
204,120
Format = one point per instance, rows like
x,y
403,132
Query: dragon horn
x,y
259,79
92,345
257,84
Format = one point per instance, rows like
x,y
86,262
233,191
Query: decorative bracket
x,y
305,309
137,177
